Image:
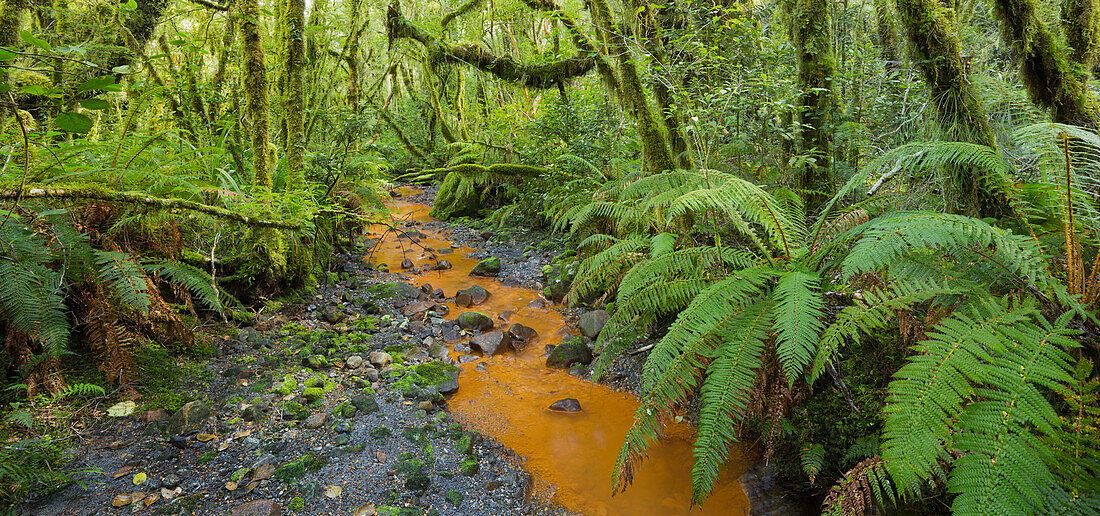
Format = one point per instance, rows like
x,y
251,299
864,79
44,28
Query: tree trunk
x,y
295,85
809,29
887,34
1044,69
255,90
1081,24
934,44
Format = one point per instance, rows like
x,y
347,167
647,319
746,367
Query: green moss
x,y
239,474
454,497
205,458
435,372
469,466
457,196
287,386
410,466
296,504
296,409
295,469
313,394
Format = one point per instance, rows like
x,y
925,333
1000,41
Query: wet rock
x,y
537,303
492,342
189,418
257,412
475,321
423,306
371,374
569,353
343,427
474,295
566,405
312,394
258,508
487,267
406,263
438,293
354,362
316,362
462,359
448,387
365,403
316,420
592,322
171,480
443,265
380,358
521,336
333,314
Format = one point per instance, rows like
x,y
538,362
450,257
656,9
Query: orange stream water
x,y
570,456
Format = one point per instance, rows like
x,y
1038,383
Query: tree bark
x,y
1081,24
809,29
255,89
1044,68
934,44
295,85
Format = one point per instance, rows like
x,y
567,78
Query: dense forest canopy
x,y
862,234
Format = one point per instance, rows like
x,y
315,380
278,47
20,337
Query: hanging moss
x,y
1081,24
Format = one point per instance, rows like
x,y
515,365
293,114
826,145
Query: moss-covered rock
x,y
569,353
457,197
287,386
475,321
295,410
487,267
381,432
295,469
470,466
454,497
313,394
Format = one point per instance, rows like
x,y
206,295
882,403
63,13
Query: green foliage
x,y
32,468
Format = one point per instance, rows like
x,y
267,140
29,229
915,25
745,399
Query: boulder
x,y
365,403
475,296
189,418
565,355
316,362
380,358
566,405
487,267
443,265
475,321
353,362
258,508
257,412
492,342
316,420
448,387
522,334
406,264
592,322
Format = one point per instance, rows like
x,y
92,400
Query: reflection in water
x,y
570,455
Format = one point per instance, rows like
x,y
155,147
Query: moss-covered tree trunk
x,y
1081,25
809,28
656,156
934,43
651,31
294,106
11,18
255,91
887,33
1051,82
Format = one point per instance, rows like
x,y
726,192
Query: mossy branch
x,y
103,194
542,76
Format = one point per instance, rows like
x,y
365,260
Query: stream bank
x,y
332,406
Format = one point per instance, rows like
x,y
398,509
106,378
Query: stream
x,y
570,456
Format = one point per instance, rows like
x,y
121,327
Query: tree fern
x,y
798,314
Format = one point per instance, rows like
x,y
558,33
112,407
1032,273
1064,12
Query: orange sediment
x,y
570,456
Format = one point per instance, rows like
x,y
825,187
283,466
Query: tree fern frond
x,y
125,277
725,392
32,301
192,278
798,314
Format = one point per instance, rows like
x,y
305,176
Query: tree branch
x,y
503,67
211,4
101,194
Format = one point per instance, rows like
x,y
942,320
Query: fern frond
x,y
125,277
32,301
798,319
725,392
192,278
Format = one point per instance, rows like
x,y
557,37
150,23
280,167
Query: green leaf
x,y
30,39
35,89
95,104
121,69
6,55
73,122
100,83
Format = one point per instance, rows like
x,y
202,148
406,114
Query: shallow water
x,y
570,456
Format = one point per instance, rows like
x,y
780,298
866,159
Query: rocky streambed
x,y
406,386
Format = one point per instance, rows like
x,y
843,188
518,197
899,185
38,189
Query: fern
x,y
975,386
125,277
798,314
192,278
